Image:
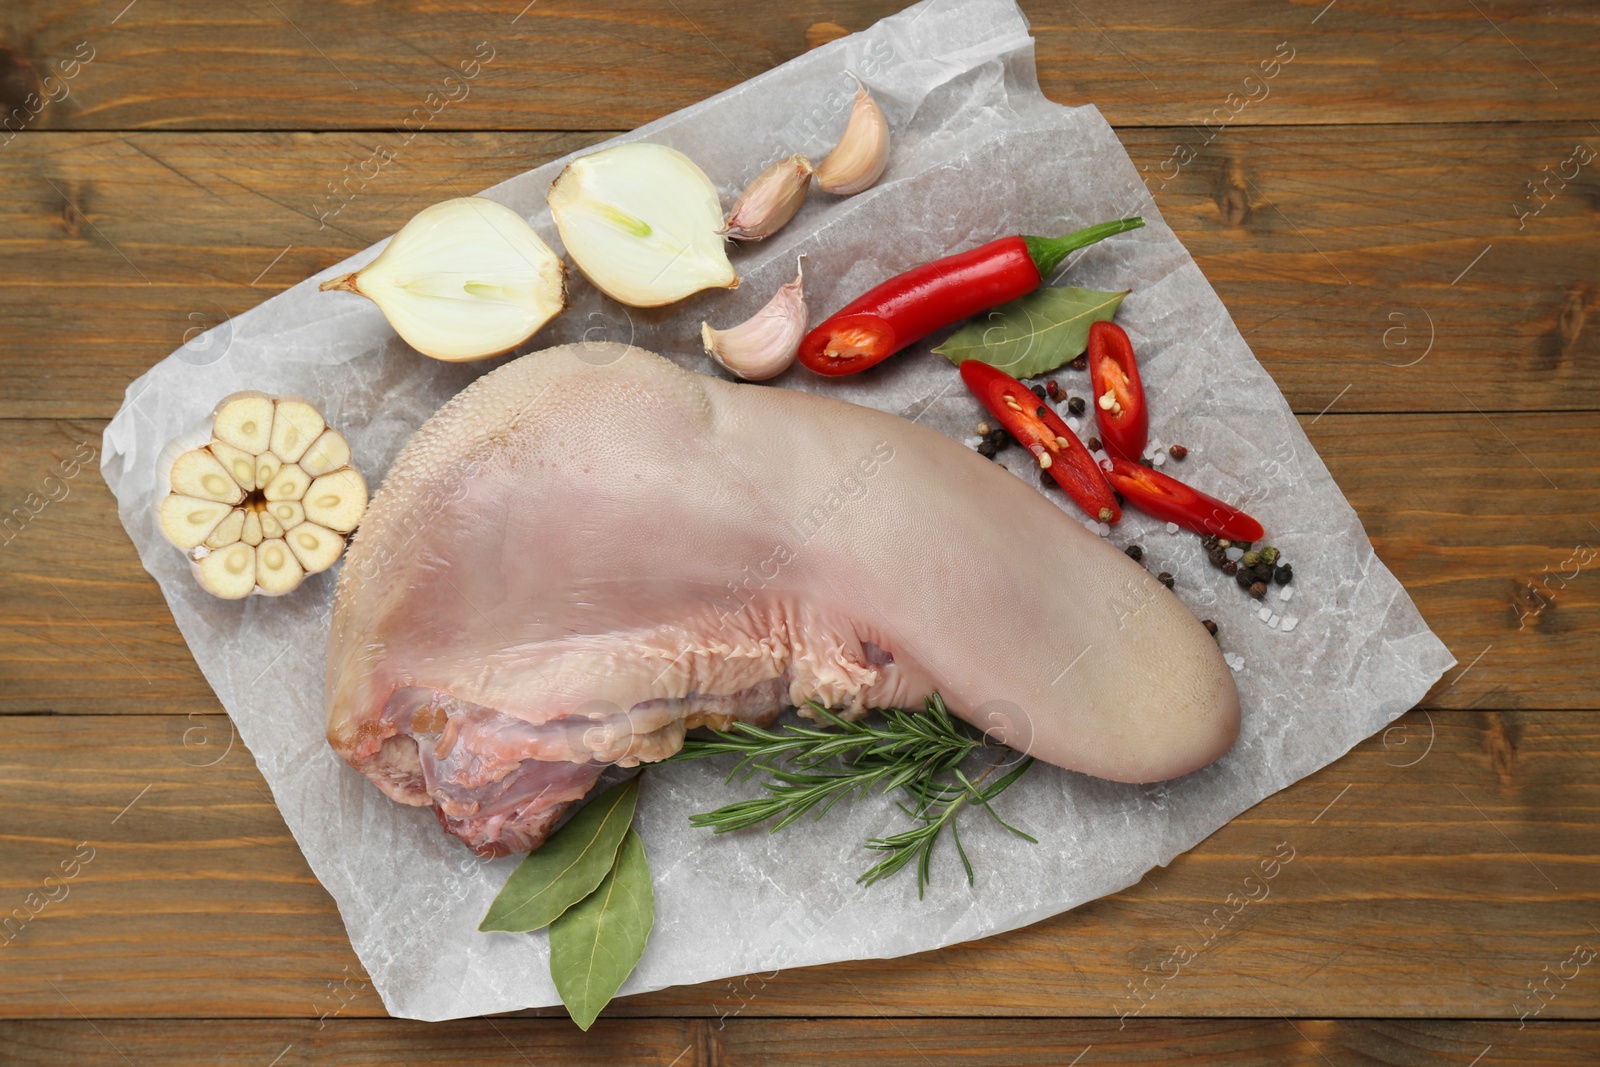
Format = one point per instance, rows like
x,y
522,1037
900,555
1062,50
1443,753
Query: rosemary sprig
x,y
812,768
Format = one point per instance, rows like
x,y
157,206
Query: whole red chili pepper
x,y
1164,497
1041,431
910,306
1119,407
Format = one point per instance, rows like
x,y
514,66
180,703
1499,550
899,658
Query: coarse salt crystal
x,y
1285,592
1103,529
1235,554
1264,614
973,442
1172,527
1159,458
1074,424
1274,621
1289,623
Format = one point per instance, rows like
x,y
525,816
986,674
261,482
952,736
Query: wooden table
x,y
1372,228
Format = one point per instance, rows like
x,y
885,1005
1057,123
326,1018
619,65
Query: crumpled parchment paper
x,y
979,152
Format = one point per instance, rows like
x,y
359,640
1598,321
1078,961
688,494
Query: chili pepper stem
x,y
1048,252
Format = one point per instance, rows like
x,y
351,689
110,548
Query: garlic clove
x,y
229,573
270,528
238,463
188,520
770,201
244,420
328,453
641,221
267,466
277,570
288,484
228,530
250,533
465,279
199,473
861,155
316,547
337,500
764,345
295,426
287,513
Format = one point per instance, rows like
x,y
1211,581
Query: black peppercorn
x,y
1283,575
1145,463
1038,391
1080,363
1211,627
1075,405
1094,444
1217,557
1166,579
1134,552
1229,566
1242,577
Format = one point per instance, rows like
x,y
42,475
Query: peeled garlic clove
x,y
316,547
251,533
240,515
641,221
239,463
199,473
287,513
295,426
337,500
277,570
228,530
769,202
188,520
857,161
229,573
764,345
288,484
244,420
465,279
328,453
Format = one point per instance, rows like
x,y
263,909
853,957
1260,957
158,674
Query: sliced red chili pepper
x,y
910,306
1041,431
1119,408
1164,497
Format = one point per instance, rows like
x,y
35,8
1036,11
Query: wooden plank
x,y
1436,871
563,64
888,1042
1415,299
1456,504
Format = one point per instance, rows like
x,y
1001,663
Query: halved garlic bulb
x,y
641,221
251,520
764,345
465,279
857,161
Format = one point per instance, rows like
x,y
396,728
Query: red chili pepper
x,y
1125,424
1165,497
1041,431
910,306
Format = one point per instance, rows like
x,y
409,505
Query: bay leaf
x,y
1034,334
597,942
566,868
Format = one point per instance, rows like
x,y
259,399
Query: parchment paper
x,y
978,153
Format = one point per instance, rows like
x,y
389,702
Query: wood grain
x,y
887,1042
1435,871
1457,506
564,64
1383,259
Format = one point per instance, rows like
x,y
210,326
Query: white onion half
x,y
465,279
641,221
